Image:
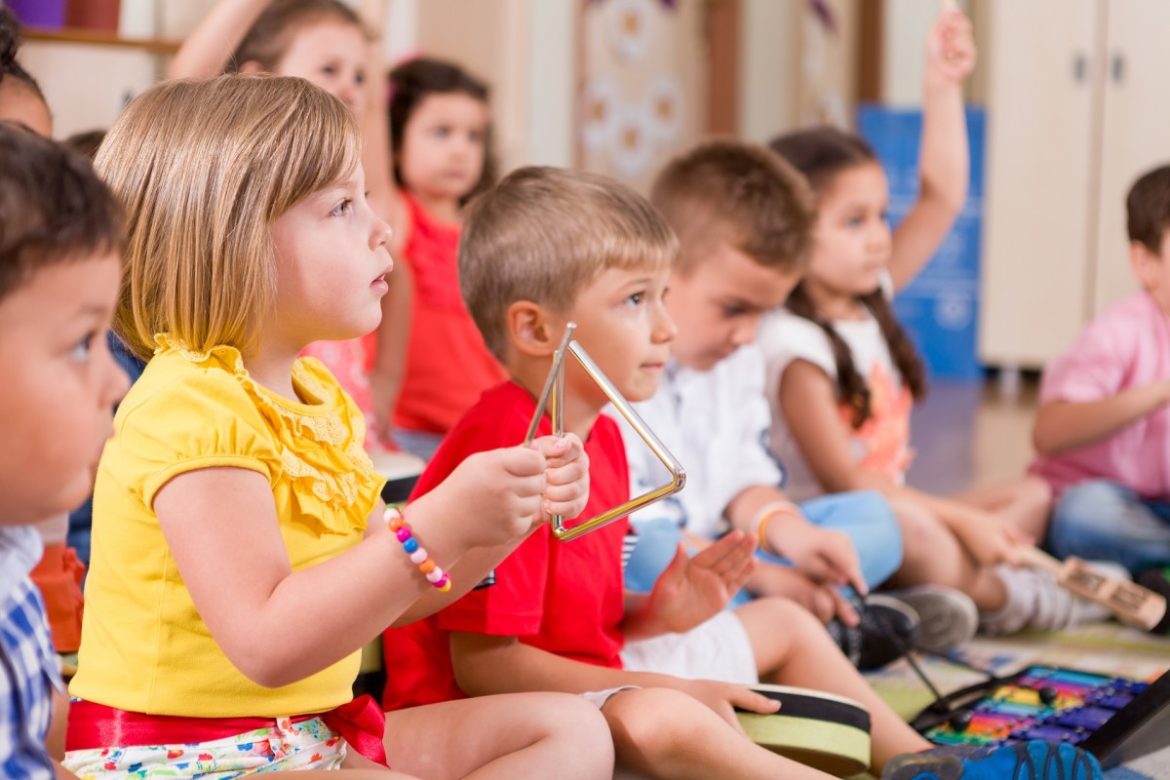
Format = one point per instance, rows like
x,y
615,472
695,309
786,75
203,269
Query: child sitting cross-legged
x,y
544,248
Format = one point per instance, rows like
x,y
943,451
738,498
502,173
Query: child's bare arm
x,y
487,665
221,528
1066,425
206,51
943,156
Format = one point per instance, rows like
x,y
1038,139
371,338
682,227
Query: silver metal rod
x,y
555,371
678,475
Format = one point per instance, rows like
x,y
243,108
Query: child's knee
x,y
922,531
655,722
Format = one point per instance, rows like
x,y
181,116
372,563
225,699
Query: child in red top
x,y
663,669
429,364
541,573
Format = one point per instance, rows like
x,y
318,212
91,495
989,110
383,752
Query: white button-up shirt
x,y
715,423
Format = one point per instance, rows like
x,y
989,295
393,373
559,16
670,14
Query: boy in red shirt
x,y
544,248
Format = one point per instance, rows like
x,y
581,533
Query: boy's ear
x,y
531,330
1144,263
251,66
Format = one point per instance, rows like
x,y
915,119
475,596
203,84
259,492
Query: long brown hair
x,y
821,153
410,84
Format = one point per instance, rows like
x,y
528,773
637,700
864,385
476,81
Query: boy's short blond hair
x,y
202,170
543,234
741,195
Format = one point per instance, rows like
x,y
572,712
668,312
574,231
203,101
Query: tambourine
x,y
826,732
552,397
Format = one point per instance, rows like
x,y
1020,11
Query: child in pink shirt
x,y
1103,430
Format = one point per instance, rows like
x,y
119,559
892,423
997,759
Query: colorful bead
x,y
418,555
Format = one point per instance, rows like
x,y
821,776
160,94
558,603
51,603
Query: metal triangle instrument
x,y
552,398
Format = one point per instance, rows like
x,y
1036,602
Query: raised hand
x,y
950,49
692,590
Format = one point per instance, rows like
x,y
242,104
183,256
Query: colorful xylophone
x,y
1114,718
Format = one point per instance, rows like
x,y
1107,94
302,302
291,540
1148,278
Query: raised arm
x,y
206,51
944,166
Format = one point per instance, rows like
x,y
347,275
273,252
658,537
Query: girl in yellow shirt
x,y
241,557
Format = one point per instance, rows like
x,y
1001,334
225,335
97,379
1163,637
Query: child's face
x,y
719,304
332,55
623,324
851,240
331,266
443,145
59,389
1153,271
20,104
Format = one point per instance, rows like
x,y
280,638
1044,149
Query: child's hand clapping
x,y
692,590
950,50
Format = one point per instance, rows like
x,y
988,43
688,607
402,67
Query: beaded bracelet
x,y
765,516
418,554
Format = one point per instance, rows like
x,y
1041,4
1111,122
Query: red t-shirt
x,y
563,597
448,365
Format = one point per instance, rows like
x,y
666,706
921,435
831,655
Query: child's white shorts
x,y
716,650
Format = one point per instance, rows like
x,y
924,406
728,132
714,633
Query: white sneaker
x,y
1037,601
947,618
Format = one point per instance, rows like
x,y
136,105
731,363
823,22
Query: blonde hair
x,y
740,194
542,234
202,170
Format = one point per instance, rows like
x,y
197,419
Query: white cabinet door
x,y
1038,204
1135,130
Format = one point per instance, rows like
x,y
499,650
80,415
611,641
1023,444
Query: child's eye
x,y
731,312
636,299
855,222
80,352
329,70
442,131
359,78
342,208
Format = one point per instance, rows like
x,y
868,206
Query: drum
x,y
826,732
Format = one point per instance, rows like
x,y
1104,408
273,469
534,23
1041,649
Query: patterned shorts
x,y
309,744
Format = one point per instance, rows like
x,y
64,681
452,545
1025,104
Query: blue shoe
x,y
1036,760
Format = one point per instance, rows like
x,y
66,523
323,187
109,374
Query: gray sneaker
x,y
1038,602
947,618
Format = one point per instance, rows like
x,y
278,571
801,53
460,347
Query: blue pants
x,y
864,516
1103,520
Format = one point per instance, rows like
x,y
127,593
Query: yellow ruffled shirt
x,y
144,647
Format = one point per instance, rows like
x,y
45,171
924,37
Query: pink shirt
x,y
1127,346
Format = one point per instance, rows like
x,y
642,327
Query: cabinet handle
x,y
1117,67
1080,67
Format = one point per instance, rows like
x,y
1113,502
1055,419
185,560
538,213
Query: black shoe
x,y
869,645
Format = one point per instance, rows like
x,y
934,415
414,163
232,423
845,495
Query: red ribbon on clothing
x,y
360,722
